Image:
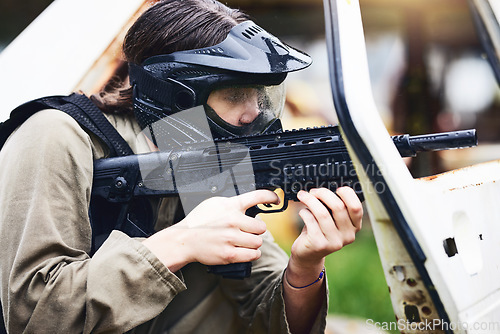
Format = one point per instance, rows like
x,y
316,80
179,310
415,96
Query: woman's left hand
x,y
331,221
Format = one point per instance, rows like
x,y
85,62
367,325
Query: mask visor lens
x,y
246,110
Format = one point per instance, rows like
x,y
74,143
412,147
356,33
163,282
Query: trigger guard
x,y
255,210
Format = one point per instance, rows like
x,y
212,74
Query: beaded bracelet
x,y
321,275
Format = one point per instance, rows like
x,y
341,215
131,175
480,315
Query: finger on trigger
x,y
252,198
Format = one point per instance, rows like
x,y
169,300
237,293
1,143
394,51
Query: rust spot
x,y
426,310
467,186
416,297
411,282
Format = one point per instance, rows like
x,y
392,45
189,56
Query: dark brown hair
x,y
166,27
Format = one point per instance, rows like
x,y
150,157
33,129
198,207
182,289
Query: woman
x,y
51,284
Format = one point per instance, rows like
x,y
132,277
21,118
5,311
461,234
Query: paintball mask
x,y
246,70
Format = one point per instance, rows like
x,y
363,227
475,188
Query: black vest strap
x,y
77,106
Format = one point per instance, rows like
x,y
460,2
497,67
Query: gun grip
x,y
233,270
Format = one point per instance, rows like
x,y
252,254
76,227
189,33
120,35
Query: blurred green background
x,y
356,280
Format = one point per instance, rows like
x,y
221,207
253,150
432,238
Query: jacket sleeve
x,y
259,298
49,284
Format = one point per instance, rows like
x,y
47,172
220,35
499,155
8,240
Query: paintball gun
x,y
291,160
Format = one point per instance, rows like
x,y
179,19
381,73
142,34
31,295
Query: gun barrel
x,y
408,146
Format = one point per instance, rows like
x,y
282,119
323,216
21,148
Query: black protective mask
x,y
166,84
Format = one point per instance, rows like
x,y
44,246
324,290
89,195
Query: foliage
x,y
357,283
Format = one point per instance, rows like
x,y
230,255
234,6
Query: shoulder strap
x,y
77,106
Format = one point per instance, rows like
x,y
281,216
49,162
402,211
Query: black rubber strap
x,y
98,123
81,109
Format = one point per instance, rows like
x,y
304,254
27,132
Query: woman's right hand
x,y
216,232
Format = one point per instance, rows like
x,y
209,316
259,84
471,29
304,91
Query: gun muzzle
x,y
409,146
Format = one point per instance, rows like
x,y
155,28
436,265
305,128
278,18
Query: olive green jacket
x,y
49,284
